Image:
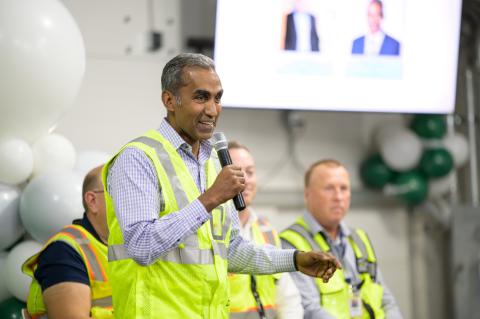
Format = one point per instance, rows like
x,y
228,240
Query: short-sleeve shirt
x,y
59,262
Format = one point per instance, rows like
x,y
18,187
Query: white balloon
x,y
16,160
4,293
50,202
11,228
88,160
401,149
384,132
17,282
53,153
457,144
42,62
440,186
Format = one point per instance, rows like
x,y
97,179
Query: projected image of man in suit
x,y
376,41
301,30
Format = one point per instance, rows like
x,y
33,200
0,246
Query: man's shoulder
x,y
59,262
391,42
359,40
358,234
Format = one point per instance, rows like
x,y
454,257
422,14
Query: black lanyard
x,y
260,309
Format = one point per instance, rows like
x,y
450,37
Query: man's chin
x,y
205,135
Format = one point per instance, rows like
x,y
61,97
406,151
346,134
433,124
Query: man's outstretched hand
x,y
317,264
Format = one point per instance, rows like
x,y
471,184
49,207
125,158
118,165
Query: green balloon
x,y
411,187
374,172
436,162
429,126
11,309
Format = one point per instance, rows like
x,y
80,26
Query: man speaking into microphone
x,y
174,232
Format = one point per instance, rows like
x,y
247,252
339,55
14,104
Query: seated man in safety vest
x,y
264,296
69,273
357,290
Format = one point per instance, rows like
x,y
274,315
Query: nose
x,y
338,194
211,108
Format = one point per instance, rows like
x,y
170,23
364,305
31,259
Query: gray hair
x,y
172,75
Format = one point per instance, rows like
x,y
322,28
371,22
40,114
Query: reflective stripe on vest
x,y
364,265
93,264
102,302
253,314
187,255
164,159
308,237
268,233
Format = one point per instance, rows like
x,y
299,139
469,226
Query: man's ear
x,y
168,100
89,198
305,193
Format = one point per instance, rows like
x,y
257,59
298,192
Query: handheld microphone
x,y
221,146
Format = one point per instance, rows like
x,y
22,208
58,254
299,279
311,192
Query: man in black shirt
x,y
69,274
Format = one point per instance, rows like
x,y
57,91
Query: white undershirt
x,y
373,43
303,27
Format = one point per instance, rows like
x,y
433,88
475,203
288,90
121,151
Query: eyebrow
x,y
201,92
206,92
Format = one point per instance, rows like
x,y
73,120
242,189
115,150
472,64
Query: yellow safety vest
x,y
189,281
243,304
335,295
94,255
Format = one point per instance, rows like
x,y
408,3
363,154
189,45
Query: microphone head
x,y
219,141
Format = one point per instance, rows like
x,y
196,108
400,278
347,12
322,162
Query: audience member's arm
x,y
68,300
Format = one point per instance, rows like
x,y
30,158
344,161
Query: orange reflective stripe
x,y
268,236
91,257
87,262
102,271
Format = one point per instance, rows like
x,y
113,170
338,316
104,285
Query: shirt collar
x,y
177,141
315,227
85,223
379,35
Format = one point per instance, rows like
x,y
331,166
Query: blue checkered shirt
x,y
133,185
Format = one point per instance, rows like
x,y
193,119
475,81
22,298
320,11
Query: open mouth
x,y
206,126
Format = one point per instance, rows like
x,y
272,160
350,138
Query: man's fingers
x,y
328,273
333,260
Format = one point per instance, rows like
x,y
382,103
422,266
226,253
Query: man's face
x,y
374,16
195,117
301,5
241,157
327,195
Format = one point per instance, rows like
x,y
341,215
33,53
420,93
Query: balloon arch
x,y
416,162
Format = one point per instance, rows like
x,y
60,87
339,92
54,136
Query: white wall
x,y
120,98
120,95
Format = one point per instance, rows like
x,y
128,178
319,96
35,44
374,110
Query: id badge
x,y
355,306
